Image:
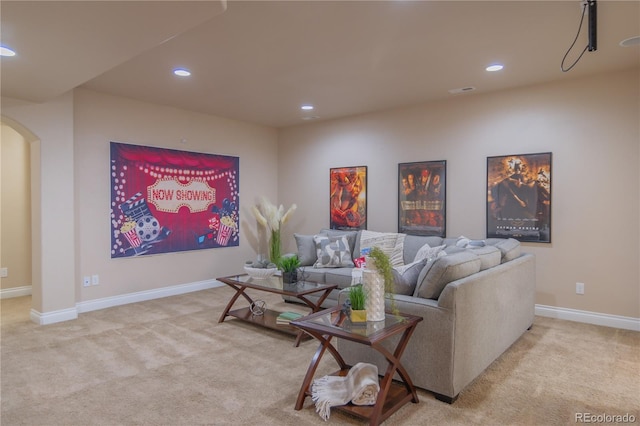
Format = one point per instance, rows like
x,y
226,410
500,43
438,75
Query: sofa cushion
x,y
509,247
386,241
340,276
412,244
332,252
406,277
489,256
312,274
306,249
446,269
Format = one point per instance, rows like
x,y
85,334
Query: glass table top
x,y
368,328
275,283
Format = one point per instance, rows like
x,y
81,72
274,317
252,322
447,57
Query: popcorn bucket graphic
x,y
224,233
132,237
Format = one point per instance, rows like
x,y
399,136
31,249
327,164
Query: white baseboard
x,y
8,293
53,316
142,296
615,321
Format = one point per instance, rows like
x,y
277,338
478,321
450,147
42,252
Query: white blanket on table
x,y
360,386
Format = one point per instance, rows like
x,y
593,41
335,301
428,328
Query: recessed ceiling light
x,y
5,51
307,107
182,72
311,117
631,41
494,67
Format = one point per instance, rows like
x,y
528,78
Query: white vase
x,y
373,283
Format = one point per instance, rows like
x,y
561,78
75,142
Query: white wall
x,y
590,125
100,119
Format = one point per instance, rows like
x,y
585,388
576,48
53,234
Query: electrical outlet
x,y
95,280
86,281
4,272
579,288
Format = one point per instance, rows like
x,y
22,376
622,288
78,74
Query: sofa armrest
x,y
491,310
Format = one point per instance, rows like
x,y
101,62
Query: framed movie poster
x,y
519,197
422,198
348,198
165,200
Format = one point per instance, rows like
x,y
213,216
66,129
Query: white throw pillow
x,y
386,241
427,252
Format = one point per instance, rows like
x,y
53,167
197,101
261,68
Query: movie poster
x,y
165,200
422,198
348,198
519,197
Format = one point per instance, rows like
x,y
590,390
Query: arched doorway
x,y
19,152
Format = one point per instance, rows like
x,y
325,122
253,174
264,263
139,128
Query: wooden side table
x,y
330,323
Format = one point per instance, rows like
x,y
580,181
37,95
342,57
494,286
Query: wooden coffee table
x,y
273,284
330,323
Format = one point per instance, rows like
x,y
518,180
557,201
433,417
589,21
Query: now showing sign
x,y
169,195
164,200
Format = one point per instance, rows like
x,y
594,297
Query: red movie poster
x,y
348,198
165,200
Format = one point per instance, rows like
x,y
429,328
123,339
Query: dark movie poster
x,y
519,197
422,198
348,198
165,200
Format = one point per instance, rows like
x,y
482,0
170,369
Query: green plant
x,y
357,297
289,263
383,264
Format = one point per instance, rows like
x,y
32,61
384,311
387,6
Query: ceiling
x,y
260,61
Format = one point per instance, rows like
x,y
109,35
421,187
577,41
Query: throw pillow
x,y
462,241
352,236
426,252
332,252
405,277
386,241
397,255
306,249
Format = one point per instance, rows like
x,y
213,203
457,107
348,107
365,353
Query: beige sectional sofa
x,y
477,298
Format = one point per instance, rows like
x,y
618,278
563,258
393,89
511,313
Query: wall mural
x,y
519,197
165,200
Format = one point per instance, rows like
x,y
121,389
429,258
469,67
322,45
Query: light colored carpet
x,y
169,362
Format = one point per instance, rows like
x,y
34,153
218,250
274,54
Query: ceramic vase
x,y
373,283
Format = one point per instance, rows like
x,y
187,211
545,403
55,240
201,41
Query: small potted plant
x,y
289,267
357,299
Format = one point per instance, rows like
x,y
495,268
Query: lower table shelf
x,y
397,396
268,320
